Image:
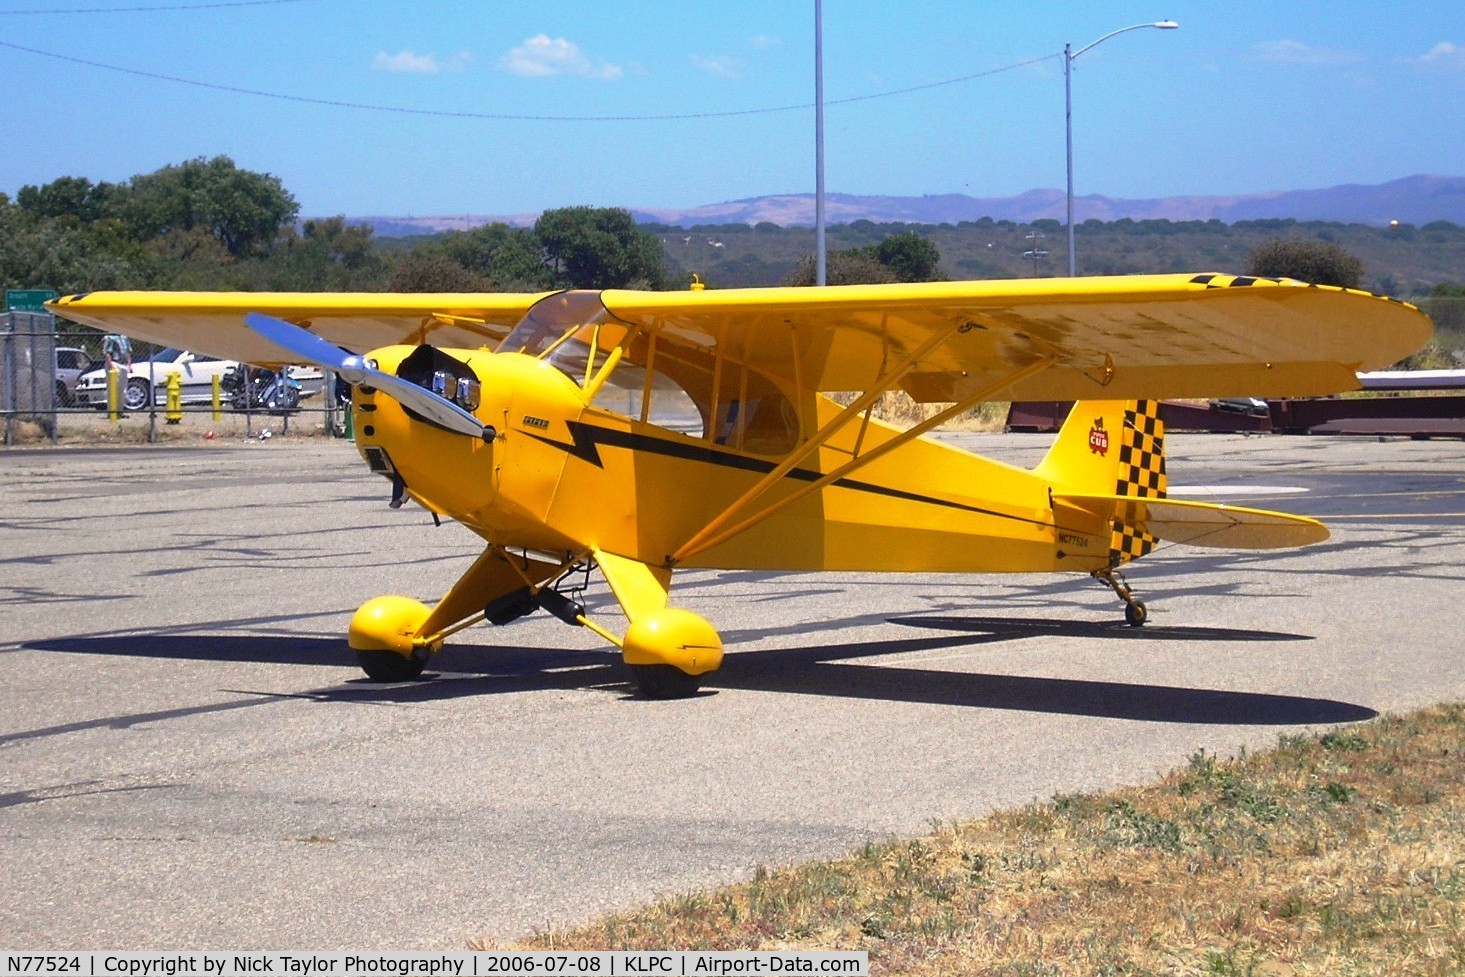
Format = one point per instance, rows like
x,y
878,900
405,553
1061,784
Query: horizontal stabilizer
x,y
1205,523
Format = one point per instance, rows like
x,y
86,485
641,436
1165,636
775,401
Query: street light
x,y
1068,56
821,273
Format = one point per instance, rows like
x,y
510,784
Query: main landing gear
x,y
1135,613
383,633
669,650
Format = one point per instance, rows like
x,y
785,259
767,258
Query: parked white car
x,y
195,371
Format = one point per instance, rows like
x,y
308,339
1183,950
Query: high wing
x,y
1143,336
213,322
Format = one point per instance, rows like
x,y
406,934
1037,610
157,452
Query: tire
x,y
388,666
286,400
1136,614
63,395
665,682
136,394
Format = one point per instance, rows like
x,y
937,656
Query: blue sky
x,y
698,103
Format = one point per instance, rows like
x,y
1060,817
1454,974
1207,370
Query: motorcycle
x,y
255,388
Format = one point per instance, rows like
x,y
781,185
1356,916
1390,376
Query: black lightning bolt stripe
x,y
587,439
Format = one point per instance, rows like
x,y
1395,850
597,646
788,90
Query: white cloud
x,y
411,62
720,65
543,57
762,42
1297,53
1444,55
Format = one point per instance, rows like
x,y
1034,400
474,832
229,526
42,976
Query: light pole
x,y
820,268
1068,56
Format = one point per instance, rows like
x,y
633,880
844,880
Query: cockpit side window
x,y
735,406
658,379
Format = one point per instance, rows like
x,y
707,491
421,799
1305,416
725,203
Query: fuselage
x,y
564,474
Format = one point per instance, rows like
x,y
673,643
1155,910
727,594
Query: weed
x,y
1338,854
1350,742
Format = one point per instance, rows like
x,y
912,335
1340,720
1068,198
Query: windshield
x,y
572,331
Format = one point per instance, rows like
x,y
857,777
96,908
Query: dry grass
x,y
896,407
1333,854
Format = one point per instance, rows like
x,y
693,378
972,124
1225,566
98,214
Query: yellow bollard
x,y
173,408
114,395
218,398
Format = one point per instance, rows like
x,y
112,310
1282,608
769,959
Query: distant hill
x,y
1414,200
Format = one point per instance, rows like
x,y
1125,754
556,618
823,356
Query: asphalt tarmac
x,y
189,758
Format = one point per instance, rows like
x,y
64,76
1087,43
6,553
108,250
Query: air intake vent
x,y
378,461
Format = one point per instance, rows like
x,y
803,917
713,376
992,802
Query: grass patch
x,y
1340,853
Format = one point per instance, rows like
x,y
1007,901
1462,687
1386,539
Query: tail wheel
x,y
1135,612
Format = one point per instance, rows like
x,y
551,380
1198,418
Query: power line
x,y
505,117
153,9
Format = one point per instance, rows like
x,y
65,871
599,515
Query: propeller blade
x,y
354,369
308,346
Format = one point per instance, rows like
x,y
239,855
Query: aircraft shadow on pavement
x,y
829,670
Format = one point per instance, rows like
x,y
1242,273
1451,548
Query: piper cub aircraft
x,y
640,433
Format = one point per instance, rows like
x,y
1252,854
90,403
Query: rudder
x,y
1111,447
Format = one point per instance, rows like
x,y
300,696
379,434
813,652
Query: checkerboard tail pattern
x,y
1141,475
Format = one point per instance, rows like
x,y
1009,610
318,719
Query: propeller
x,y
357,369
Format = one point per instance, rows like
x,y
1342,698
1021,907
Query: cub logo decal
x,y
1099,438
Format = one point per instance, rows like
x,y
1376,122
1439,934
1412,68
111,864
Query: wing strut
x,y
880,386
718,531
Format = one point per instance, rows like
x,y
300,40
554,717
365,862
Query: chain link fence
x,y
50,369
28,389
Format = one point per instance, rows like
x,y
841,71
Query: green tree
x,y
243,210
856,266
70,196
510,258
431,271
59,252
905,257
911,257
600,247
325,254
1317,262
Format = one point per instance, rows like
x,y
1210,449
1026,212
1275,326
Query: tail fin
x,y
1109,461
1111,448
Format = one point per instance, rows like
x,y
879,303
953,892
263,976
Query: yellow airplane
x,y
645,432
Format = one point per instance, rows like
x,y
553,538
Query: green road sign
x,y
28,299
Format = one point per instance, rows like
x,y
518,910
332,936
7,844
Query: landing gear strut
x,y
1135,613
